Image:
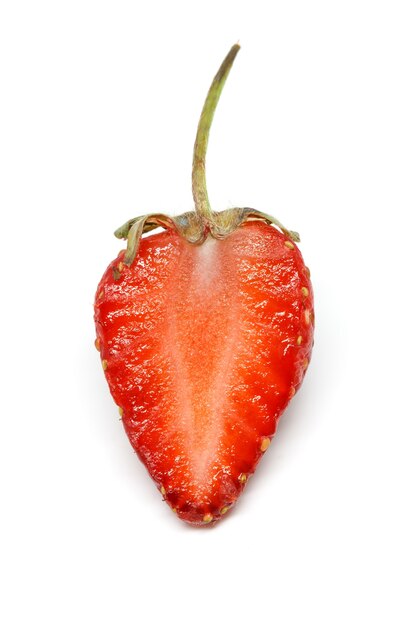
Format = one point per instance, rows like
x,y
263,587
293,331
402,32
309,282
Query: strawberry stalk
x,y
201,201
196,226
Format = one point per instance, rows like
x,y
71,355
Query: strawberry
x,y
205,332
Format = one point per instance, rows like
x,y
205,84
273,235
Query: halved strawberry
x,y
205,332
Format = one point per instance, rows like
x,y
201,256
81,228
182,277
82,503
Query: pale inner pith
x,y
202,343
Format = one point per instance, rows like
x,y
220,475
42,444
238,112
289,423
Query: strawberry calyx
x,y
196,226
192,227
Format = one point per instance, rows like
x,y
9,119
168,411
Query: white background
x,y
317,125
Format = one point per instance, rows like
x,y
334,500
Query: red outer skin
x,y
203,347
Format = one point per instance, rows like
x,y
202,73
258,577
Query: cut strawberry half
x,y
205,332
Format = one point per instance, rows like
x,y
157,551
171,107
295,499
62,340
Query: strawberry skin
x,y
203,346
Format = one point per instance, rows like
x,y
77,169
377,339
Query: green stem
x,y
201,201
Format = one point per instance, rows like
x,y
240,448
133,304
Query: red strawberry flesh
x,y
203,347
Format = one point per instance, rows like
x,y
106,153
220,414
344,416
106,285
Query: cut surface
x,y
203,347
